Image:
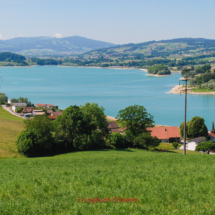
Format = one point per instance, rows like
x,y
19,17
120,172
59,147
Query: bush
x,y
37,140
145,140
118,140
31,144
175,145
19,109
28,143
206,146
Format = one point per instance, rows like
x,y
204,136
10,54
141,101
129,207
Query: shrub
x,y
19,109
206,146
31,144
118,140
28,143
175,145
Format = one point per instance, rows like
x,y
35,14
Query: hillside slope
x,y
161,183
10,127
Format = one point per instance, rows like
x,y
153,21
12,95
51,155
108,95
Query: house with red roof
x,y
166,134
212,133
41,105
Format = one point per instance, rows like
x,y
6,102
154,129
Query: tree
x,y
37,139
182,128
27,143
194,128
118,140
175,145
135,119
3,98
197,127
145,140
68,126
206,146
94,124
19,109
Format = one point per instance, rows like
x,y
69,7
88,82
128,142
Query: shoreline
x,y
177,90
158,76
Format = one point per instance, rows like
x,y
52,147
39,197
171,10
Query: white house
x,y
191,145
16,105
9,101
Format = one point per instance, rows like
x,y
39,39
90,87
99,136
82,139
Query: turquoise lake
x,y
114,89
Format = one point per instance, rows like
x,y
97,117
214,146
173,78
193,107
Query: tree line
x,y
85,128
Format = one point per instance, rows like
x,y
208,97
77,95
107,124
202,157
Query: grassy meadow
x,y
10,127
163,183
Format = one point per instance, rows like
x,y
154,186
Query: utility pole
x,y
185,108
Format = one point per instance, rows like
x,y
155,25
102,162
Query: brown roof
x,y
113,125
52,117
41,105
165,133
51,105
27,109
57,113
49,111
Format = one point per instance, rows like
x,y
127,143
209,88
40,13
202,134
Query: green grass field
x,y
163,183
10,127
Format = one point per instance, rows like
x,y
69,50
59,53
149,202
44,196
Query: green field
x,y
10,127
163,183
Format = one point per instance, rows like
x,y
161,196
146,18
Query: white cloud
x,y
58,35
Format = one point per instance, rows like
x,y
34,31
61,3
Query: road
x,y
10,111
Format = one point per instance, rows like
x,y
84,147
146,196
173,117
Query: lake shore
x,y
111,118
179,89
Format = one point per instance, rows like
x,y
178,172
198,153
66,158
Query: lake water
x,y
114,89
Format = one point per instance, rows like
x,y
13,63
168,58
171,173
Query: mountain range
x,y
51,45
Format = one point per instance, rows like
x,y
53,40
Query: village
x,y
166,134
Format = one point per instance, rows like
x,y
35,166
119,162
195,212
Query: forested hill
x,y
39,46
160,48
174,53
12,59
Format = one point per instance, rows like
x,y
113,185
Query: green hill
x,y
10,127
162,183
174,53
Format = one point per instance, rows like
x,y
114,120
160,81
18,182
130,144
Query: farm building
x,y
165,134
26,110
16,105
57,113
41,105
191,145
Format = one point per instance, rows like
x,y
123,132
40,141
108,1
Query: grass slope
x,y
163,183
10,127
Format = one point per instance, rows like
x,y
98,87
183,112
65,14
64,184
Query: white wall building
x,y
16,105
191,145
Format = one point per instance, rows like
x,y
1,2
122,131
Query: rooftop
x,y
164,133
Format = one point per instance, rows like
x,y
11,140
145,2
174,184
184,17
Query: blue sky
x,y
116,21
